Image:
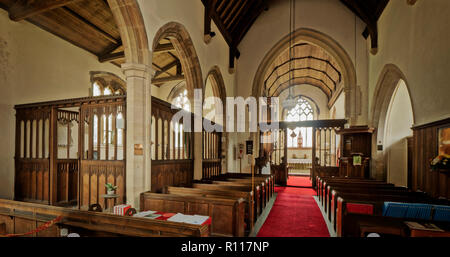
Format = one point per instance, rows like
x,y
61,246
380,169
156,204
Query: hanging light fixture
x,y
290,102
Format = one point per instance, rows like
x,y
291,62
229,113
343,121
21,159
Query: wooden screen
x,y
102,146
67,150
172,148
212,154
32,155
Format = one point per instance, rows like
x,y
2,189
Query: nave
x,y
295,212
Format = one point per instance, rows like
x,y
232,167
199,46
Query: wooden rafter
x,y
159,81
23,9
162,48
112,57
169,66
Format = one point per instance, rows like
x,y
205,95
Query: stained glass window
x,y
303,136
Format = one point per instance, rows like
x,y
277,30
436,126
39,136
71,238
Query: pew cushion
x,y
360,208
419,211
441,213
396,210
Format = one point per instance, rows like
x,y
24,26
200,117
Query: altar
x,y
299,164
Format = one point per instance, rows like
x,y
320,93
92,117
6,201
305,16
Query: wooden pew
x,y
355,188
29,216
331,200
227,214
366,183
262,185
247,196
256,194
344,222
245,175
263,182
376,200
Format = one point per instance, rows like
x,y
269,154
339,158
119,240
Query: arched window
x,y
96,89
182,101
300,137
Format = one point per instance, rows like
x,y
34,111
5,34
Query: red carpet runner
x,y
295,213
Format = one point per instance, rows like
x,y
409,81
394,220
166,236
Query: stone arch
x,y
218,83
352,109
130,22
219,90
184,46
387,84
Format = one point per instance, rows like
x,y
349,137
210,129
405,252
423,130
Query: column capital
x,y
137,70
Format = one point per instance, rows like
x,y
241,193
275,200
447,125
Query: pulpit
x,y
356,145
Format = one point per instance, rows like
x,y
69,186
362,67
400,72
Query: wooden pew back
x,y
28,216
227,214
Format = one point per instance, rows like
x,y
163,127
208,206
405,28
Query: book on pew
x,y
147,214
190,219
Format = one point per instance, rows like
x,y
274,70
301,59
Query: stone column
x,y
138,157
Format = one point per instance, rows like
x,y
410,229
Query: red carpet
x,y
299,181
295,213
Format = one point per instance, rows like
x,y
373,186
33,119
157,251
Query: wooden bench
x,y
344,222
21,217
247,196
271,179
256,194
227,214
368,183
262,186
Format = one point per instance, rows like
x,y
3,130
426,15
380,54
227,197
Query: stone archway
x,y
137,70
184,46
219,90
352,108
387,84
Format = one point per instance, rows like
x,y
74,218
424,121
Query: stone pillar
x,y
138,157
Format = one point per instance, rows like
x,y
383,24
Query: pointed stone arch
x,y
387,84
182,42
349,86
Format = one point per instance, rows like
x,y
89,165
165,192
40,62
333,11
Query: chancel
x,y
104,105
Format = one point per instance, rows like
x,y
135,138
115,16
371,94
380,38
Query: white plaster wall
x,y
398,127
417,39
339,106
36,66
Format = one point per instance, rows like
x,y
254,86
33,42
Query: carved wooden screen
x,y
172,147
212,154
102,148
32,162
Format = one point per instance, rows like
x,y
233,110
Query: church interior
x,y
100,112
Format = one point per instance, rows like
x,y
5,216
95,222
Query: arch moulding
x,y
387,83
352,109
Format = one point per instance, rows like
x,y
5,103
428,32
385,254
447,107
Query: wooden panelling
x,y
93,177
435,183
21,217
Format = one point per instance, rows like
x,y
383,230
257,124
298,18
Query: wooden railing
x,y
212,154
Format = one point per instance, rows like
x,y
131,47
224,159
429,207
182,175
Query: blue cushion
x,y
441,213
396,210
419,211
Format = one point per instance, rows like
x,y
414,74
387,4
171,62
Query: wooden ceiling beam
x,y
232,13
257,8
104,34
238,15
111,57
162,48
23,9
160,81
210,6
166,68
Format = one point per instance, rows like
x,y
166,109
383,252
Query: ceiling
x,y
89,24
309,64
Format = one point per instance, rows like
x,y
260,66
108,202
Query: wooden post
x,y
53,156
